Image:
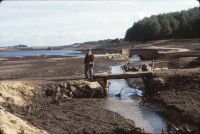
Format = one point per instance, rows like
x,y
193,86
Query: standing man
x,y
89,63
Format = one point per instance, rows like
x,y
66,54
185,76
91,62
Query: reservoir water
x,y
25,53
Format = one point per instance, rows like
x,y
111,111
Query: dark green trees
x,y
147,29
177,24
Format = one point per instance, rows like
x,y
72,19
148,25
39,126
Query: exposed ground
x,y
24,109
175,45
176,94
44,68
182,93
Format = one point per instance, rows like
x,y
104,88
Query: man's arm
x,y
85,60
92,58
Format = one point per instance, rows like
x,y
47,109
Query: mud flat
x,y
46,67
24,108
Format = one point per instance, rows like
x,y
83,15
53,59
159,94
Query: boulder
x,y
146,67
86,89
158,81
75,88
135,69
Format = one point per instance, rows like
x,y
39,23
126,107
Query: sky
x,y
57,23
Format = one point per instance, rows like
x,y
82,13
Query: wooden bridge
x,y
103,77
124,75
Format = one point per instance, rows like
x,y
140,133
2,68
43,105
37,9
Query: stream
x,y
128,105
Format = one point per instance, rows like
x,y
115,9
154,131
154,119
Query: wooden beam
x,y
123,75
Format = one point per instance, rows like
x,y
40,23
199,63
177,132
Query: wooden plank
x,y
123,75
56,78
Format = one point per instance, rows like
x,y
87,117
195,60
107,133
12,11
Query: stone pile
x,y
75,88
137,68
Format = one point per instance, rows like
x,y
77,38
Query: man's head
x,y
89,51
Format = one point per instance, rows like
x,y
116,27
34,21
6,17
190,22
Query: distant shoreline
x,y
192,44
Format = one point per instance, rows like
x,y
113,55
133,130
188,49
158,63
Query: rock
x,y
146,67
2,131
93,85
135,69
86,89
158,81
157,69
109,57
72,88
75,88
164,68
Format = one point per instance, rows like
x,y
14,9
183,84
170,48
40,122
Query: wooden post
x,y
152,64
106,86
125,53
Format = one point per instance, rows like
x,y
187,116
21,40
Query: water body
x,y
25,53
128,105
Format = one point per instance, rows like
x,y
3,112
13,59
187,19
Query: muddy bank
x,y
72,115
177,96
30,111
74,89
168,44
27,110
45,67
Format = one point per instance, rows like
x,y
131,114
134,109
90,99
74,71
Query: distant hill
x,y
20,46
184,24
107,43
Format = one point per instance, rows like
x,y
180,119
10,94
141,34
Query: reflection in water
x,y
135,58
128,105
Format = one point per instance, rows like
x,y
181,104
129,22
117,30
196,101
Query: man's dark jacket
x,y
89,58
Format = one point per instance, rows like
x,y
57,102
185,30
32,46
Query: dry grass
x,y
16,93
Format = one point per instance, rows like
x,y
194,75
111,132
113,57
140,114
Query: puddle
x,y
128,105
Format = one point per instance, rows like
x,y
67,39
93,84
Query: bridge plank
x,y
123,75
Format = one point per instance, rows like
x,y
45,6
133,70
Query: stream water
x,y
128,105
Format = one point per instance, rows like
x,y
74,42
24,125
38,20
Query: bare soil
x,y
24,108
172,45
29,111
44,67
179,97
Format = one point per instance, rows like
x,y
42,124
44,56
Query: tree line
x,y
184,24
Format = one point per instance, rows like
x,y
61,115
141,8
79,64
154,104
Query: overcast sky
x,y
53,23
